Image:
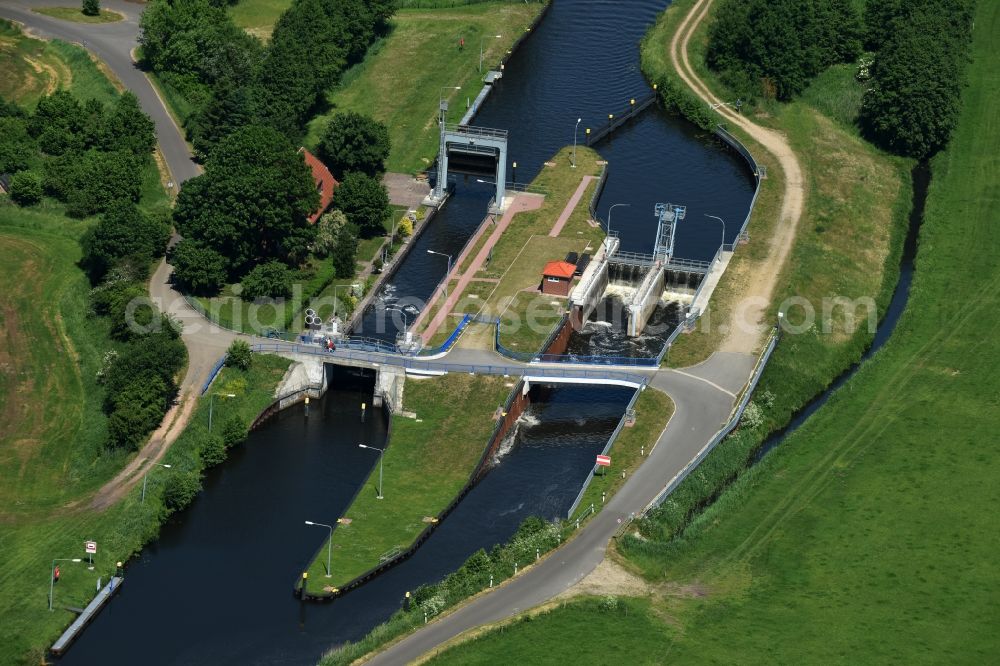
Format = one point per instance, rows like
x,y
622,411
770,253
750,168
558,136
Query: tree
x,y
345,251
127,127
270,280
239,355
913,103
233,431
123,231
353,142
17,149
212,450
180,489
326,232
197,269
365,202
97,179
91,7
231,106
776,47
25,188
251,204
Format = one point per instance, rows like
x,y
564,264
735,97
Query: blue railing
x,y
447,344
216,369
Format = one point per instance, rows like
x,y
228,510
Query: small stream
x,y
921,177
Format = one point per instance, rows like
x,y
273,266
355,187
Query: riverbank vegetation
x,y
59,528
428,459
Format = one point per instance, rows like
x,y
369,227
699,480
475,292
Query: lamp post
x,y
52,575
145,477
575,128
401,311
723,243
211,406
380,454
329,543
446,276
613,206
482,40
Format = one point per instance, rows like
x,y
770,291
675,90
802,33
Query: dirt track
x,y
744,335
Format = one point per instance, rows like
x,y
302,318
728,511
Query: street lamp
x,y
723,243
575,128
144,478
448,274
481,41
329,543
52,575
401,311
211,406
613,206
380,454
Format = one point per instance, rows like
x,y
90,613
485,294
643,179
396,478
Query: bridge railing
x,y
436,366
607,447
738,146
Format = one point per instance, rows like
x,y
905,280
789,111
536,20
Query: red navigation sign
x,y
604,461
90,546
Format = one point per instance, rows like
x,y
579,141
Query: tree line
x,y
92,157
921,49
775,48
230,79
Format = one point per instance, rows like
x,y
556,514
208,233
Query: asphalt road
x,y
113,43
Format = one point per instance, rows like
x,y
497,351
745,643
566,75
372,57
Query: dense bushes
x,y
270,280
124,232
775,47
229,79
91,155
239,355
916,80
25,188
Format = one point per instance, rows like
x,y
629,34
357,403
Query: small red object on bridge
x,y
604,461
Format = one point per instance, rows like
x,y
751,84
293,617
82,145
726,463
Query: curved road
x,y
703,395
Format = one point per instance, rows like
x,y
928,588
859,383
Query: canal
x,y
583,62
216,587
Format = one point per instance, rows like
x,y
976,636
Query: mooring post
x,y
302,590
406,601
363,412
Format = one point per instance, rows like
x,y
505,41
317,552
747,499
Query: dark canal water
x,y
216,587
583,62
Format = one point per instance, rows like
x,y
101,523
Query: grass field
x,y
258,16
868,536
593,631
428,461
28,547
400,80
76,15
33,68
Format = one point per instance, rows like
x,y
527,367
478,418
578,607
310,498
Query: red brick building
x,y
557,277
325,183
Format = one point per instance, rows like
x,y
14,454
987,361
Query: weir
x,y
593,283
645,300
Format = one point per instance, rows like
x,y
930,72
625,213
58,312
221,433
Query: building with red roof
x,y
556,278
325,183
